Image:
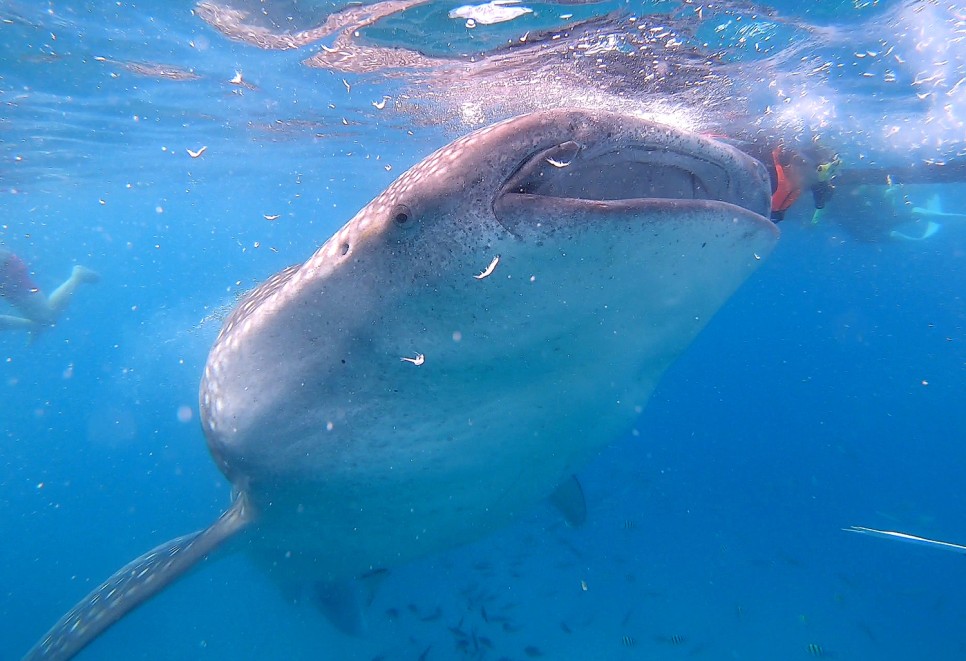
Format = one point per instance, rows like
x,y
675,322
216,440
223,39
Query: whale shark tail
x,y
135,583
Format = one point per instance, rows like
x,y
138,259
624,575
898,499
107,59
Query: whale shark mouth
x,y
634,177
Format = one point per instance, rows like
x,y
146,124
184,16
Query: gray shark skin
x,y
404,391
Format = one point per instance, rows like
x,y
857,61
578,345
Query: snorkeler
x,y
793,171
37,310
877,207
886,211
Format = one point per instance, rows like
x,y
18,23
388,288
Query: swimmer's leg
x,y
60,297
9,322
931,228
919,212
934,211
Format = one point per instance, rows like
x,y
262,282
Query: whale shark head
x,y
455,351
300,355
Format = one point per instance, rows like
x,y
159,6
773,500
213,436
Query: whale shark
x,y
457,350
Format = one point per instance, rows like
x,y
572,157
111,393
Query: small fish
x,y
489,269
628,641
673,639
483,614
565,627
196,154
532,651
425,654
458,630
392,613
418,360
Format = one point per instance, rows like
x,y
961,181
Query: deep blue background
x,y
827,393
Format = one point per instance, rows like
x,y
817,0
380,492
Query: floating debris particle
x,y
271,217
489,269
628,641
418,360
558,164
905,537
196,154
237,79
816,650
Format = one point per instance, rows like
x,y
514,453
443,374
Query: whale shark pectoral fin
x,y
371,582
344,603
569,500
134,584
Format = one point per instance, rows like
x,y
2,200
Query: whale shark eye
x,y
401,215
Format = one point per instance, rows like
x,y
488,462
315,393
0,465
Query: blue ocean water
x,y
827,392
